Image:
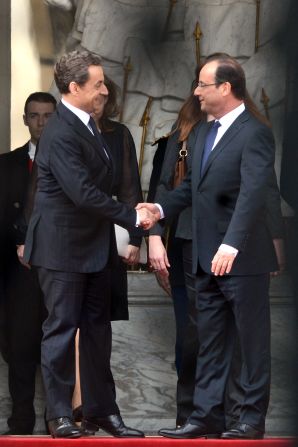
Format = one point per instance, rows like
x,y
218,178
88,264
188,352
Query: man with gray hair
x,y
71,241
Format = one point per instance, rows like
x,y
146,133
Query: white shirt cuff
x,y
162,214
228,249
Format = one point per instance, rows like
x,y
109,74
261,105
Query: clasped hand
x,y
148,214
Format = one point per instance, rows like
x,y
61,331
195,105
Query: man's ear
x,y
25,120
73,88
226,88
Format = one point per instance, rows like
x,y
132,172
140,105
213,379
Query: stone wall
x,y
157,38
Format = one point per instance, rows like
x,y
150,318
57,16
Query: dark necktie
x,y
97,134
209,143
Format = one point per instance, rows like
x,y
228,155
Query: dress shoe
x,y
64,427
112,424
243,431
188,431
77,413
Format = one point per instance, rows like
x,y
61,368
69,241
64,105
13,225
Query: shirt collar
x,y
81,114
230,117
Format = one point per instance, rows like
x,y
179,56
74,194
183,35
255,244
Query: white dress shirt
x,y
81,114
31,151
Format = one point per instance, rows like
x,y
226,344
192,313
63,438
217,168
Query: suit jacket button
x,y
16,204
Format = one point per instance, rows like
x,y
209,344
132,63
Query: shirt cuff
x,y
229,249
162,214
138,219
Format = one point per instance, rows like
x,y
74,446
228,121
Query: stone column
x,y
5,53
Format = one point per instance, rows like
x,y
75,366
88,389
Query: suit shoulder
x,y
255,130
15,154
257,123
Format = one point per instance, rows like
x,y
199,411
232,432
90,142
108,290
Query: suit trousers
x,y
77,300
230,306
189,351
24,314
190,347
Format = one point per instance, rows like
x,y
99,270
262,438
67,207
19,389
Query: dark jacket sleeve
x,y
21,224
274,217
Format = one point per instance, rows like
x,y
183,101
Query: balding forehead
x,y
209,69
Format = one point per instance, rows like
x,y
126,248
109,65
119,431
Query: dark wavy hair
x,y
73,67
111,109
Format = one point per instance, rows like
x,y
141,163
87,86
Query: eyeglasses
x,y
202,84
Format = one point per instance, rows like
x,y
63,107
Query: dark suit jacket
x,y
228,201
165,159
71,225
14,179
19,284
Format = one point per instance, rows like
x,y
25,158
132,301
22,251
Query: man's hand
x,y
158,256
132,255
20,253
148,214
222,263
279,248
163,282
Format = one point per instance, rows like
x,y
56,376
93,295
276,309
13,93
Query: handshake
x,y
148,215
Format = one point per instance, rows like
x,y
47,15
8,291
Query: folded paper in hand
x,y
122,240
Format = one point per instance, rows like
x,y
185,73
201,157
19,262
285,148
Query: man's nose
x,y
41,121
104,90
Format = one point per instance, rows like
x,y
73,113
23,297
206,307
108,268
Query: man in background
x,y
23,309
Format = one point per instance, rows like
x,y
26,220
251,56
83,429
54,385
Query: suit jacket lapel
x,y
82,130
225,140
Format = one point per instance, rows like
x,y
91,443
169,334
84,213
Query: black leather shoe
x,y
242,431
64,427
112,424
188,431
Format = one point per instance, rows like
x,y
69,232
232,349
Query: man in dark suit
x,y
71,240
232,254
23,310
